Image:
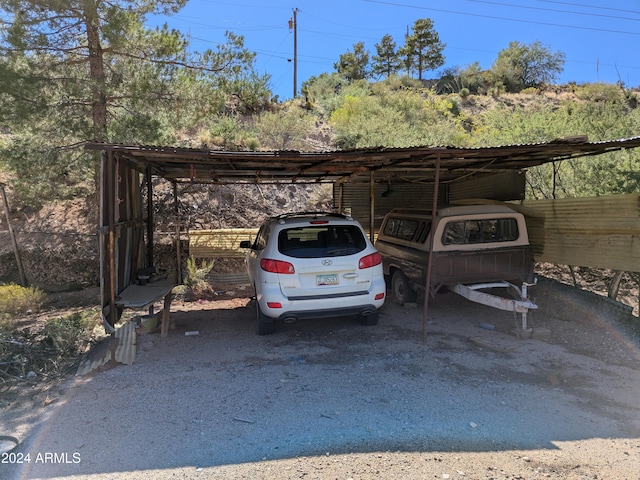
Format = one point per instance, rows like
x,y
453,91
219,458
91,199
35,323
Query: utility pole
x,y
293,25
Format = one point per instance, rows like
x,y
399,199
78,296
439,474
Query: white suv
x,y
314,265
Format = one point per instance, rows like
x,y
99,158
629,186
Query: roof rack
x,y
311,214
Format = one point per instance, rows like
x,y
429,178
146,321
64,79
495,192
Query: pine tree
x,y
423,50
387,61
95,72
353,65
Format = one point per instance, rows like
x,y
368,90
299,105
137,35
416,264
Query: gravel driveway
x,y
336,400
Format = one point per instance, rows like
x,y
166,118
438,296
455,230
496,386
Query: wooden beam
x,y
12,236
427,288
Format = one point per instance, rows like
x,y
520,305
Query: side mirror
x,y
245,244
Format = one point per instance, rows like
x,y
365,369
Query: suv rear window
x,y
480,231
321,241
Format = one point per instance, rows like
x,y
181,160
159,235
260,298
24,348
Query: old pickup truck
x,y
472,244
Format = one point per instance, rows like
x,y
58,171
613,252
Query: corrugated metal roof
x,y
413,163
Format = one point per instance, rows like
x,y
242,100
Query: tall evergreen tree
x,y
353,65
423,50
95,72
386,62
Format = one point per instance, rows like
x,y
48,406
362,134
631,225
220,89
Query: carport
x,y
126,229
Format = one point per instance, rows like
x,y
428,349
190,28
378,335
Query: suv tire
x,y
401,289
368,320
266,325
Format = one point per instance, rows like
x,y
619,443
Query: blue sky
x,y
601,40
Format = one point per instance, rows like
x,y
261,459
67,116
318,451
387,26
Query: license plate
x,y
331,279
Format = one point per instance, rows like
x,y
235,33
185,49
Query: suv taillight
x,y
370,261
276,266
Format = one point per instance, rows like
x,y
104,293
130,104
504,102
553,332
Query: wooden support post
x,y
166,315
372,206
111,206
149,217
178,243
434,211
12,236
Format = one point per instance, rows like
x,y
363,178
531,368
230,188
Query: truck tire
x,y
401,289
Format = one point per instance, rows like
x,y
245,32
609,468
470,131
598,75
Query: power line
x,y
493,17
592,6
599,15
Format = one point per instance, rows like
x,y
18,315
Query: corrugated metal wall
x,y
503,186
356,198
598,232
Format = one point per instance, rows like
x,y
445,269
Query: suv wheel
x,y
368,319
402,291
266,325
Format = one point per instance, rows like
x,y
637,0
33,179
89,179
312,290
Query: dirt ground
x,y
456,397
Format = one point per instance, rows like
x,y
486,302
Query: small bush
x,y
67,335
18,300
600,92
196,278
49,349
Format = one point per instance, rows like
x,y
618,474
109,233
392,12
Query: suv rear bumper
x,y
356,303
328,313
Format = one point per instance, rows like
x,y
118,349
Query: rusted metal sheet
x,y
346,166
387,196
99,355
502,186
598,232
223,242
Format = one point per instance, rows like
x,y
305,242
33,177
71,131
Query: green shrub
x,y
284,129
18,300
196,278
68,334
600,92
